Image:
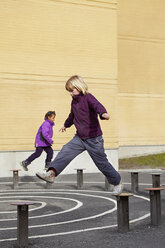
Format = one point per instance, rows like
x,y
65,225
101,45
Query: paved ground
x,y
65,217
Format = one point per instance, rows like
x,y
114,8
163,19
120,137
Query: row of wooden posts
x,y
134,180
122,204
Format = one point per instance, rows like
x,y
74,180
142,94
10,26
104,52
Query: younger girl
x,y
43,141
85,109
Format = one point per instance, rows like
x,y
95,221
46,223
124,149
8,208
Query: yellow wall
x,y
141,61
43,43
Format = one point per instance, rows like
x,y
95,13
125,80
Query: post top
x,y
23,203
157,174
15,169
154,189
124,194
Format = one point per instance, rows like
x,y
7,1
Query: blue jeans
x,y
95,148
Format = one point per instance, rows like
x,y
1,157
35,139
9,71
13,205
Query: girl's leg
x,y
28,161
49,156
96,151
67,154
35,155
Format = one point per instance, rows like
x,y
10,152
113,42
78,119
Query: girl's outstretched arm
x,y
69,120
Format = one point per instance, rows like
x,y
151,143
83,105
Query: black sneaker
x,y
47,165
24,165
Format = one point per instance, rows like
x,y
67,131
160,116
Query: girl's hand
x,y
63,129
105,116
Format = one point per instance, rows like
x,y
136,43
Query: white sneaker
x,y
117,190
46,176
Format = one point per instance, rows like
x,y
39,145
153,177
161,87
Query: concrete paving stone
x,y
65,217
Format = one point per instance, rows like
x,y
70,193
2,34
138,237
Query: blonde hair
x,y
78,83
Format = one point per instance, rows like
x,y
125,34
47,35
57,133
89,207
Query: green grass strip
x,y
149,161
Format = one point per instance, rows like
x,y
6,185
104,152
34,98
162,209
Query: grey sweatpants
x,y
95,148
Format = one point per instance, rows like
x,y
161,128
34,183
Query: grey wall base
x,y
134,151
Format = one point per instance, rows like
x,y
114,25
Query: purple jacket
x,y
44,134
84,115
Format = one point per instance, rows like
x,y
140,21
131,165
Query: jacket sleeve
x,y
96,105
69,120
45,133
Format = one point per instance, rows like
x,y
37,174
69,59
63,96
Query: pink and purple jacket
x,y
45,134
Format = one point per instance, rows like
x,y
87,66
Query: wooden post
x,y
155,205
156,180
49,185
123,212
22,223
15,178
79,178
134,182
